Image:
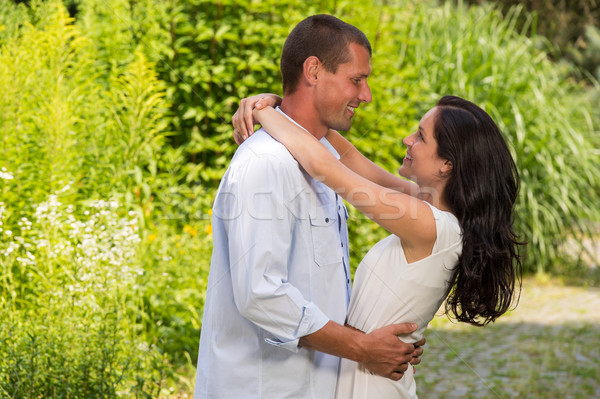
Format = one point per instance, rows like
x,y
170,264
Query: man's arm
x,y
259,227
380,351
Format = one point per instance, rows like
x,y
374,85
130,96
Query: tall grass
x,y
546,117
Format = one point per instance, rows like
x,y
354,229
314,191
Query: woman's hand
x,y
243,123
417,353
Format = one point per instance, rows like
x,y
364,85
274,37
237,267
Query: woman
x,y
452,233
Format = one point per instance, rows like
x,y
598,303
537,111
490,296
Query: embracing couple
x,y
280,320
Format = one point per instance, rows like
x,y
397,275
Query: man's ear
x,y
311,68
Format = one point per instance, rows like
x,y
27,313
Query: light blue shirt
x,y
279,271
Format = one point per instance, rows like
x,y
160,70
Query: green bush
x,y
12,18
174,286
70,295
216,53
63,125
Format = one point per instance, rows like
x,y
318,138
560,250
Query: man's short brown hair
x,y
323,36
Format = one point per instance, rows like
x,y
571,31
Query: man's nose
x,y
365,93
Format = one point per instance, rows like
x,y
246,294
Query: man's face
x,y
338,94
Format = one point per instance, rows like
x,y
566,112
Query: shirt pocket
x,y
325,234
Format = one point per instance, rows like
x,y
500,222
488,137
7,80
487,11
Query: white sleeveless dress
x,y
388,290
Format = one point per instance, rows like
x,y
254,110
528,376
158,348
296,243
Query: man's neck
x,y
303,112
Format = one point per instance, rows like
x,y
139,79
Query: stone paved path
x,y
549,347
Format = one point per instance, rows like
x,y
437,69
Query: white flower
x,y
12,247
6,175
25,261
143,346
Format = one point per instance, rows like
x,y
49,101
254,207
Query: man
x,y
279,283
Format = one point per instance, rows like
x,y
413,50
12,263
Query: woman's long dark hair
x,y
481,192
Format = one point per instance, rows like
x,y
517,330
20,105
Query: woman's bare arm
x,y
242,120
403,215
357,162
243,124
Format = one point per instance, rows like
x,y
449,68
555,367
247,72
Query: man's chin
x,y
344,127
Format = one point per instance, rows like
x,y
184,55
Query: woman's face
x,y
422,163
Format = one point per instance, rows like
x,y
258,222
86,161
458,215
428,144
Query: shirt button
x,y
342,245
326,220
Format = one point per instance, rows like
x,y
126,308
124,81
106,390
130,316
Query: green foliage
x,y
69,286
42,85
117,29
12,18
176,261
568,27
62,126
216,53
132,100
589,55
74,129
137,109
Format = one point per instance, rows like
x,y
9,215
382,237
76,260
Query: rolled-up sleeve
x,y
261,228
